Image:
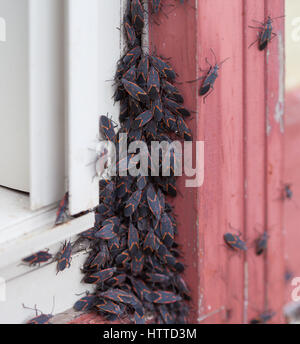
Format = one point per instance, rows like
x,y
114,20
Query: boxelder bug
x,y
62,213
42,318
261,244
265,35
137,13
153,201
64,257
135,91
100,276
133,240
211,76
85,303
132,203
288,193
263,318
165,297
37,258
234,242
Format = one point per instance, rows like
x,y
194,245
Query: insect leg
x,y
191,81
256,21
212,89
206,60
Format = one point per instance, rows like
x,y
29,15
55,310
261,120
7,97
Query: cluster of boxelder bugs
x,y
134,262
134,259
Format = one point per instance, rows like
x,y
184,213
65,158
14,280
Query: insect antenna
x,y
220,64
212,51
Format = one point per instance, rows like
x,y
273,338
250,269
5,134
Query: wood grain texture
x,y
274,102
241,125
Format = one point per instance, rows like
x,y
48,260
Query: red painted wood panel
x,y
274,103
173,43
254,158
241,126
291,176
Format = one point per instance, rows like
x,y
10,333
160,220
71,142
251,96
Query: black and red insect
x,y
108,306
132,203
153,83
135,91
163,68
62,213
153,201
165,297
211,76
261,244
263,317
86,303
265,34
106,128
130,33
137,14
131,57
141,120
64,257
234,242
41,319
38,258
166,230
133,240
100,276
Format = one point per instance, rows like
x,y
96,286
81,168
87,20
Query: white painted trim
x,y
46,102
42,237
93,41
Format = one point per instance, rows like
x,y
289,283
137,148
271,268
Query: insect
x,y
163,68
155,6
61,215
42,318
108,306
172,92
153,201
166,230
234,242
261,244
266,33
106,232
106,128
288,193
117,280
137,263
263,318
142,70
183,130
135,91
64,257
133,240
132,203
130,33
153,83
137,13
85,303
210,77
142,119
165,297
131,57
157,109
37,258
176,108
100,276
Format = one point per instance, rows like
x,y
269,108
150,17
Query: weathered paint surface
x,y
242,126
291,176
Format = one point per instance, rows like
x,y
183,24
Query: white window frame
x,y
85,95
